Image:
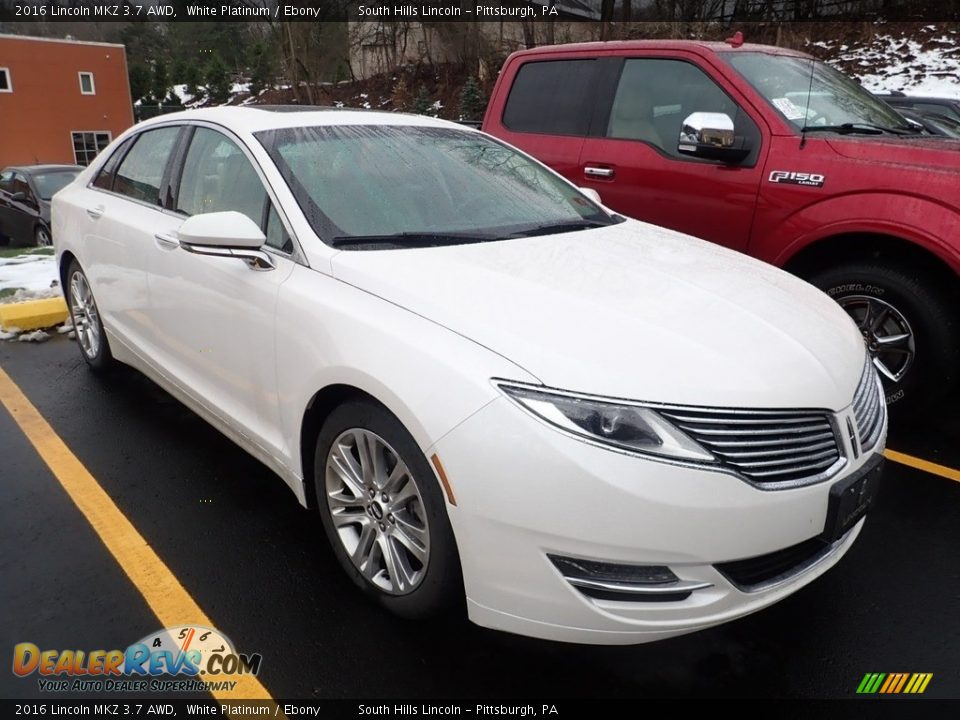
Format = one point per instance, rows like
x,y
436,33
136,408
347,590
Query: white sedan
x,y
489,386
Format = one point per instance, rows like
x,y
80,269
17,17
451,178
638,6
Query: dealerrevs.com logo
x,y
189,658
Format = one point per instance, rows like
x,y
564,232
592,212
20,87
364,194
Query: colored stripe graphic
x,y
894,683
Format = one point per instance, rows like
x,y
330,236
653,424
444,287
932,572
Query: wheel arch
x,y
321,404
869,246
65,259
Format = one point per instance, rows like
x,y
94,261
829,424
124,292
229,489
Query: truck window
x,y
654,96
551,97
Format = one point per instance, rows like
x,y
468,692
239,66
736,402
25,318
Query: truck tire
x,y
908,326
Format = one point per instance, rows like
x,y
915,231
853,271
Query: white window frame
x,y
9,88
93,84
76,160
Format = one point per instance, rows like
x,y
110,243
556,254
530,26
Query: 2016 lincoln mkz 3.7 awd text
x,y
488,385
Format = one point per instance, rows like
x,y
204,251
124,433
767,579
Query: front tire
x,y
384,513
86,319
908,326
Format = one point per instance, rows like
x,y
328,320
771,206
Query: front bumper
x,y
525,491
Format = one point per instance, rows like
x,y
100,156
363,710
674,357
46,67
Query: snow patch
x,y
888,63
37,336
35,274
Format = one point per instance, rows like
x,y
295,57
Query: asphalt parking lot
x,y
258,565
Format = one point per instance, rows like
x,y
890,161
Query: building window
x,y
5,84
86,84
86,145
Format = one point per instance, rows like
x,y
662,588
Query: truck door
x,y
635,166
547,112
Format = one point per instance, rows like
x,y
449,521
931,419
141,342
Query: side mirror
x,y
18,197
224,234
711,135
592,194
228,229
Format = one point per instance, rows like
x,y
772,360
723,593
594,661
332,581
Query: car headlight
x,y
628,427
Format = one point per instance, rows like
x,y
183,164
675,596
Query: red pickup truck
x,y
772,153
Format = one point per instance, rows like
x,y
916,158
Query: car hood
x,y
933,153
631,311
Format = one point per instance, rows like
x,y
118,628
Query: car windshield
x,y
811,94
405,186
49,183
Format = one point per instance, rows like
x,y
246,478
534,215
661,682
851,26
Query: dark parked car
x,y
950,107
933,123
25,194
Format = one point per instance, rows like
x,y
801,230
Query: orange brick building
x,y
61,101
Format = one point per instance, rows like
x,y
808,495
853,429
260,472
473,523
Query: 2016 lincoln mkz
x,y
489,386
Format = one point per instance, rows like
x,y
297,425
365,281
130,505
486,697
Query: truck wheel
x,y
907,325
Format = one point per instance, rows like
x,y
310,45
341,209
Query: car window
x,y
141,172
6,180
654,96
108,171
276,233
936,108
20,184
217,176
48,184
551,98
385,181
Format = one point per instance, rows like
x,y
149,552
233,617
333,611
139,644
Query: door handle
x,y
95,212
598,172
165,241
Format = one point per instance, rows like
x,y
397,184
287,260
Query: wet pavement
x,y
259,566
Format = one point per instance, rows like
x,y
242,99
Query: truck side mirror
x,y
711,135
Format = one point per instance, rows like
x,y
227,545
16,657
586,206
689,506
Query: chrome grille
x,y
765,446
869,408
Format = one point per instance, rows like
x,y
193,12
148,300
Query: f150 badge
x,y
796,178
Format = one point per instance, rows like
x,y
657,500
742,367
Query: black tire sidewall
x,y
36,236
442,585
103,358
935,332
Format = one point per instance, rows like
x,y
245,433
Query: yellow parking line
x,y
168,599
921,464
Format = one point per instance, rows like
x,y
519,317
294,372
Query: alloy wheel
x,y
377,511
86,319
43,237
886,332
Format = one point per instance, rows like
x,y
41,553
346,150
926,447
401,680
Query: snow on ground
x,y
35,275
927,63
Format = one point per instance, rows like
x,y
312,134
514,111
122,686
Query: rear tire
x,y
384,513
41,237
887,304
85,315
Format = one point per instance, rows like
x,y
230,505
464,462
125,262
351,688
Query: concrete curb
x,y
33,314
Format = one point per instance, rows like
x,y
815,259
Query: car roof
x,y
256,118
37,169
702,47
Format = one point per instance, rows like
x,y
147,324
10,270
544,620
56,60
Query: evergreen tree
x,y
218,81
472,101
400,96
140,80
422,105
160,82
193,79
260,63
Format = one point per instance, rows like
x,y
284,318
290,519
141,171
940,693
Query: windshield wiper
x,y
411,239
857,129
559,227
